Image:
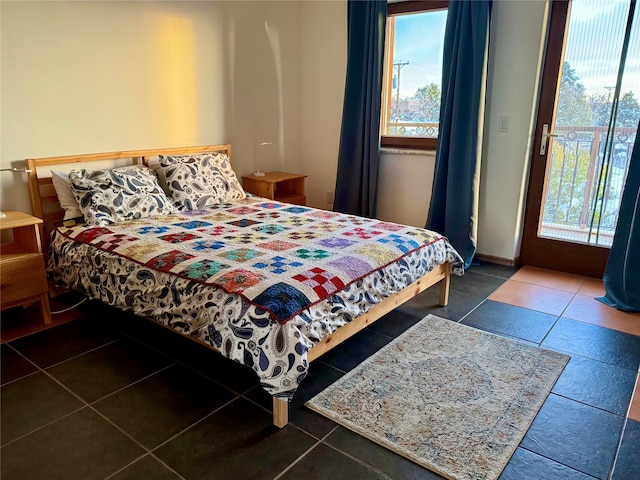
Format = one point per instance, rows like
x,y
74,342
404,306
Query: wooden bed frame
x,y
45,205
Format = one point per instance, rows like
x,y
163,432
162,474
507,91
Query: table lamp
x,y
258,173
14,170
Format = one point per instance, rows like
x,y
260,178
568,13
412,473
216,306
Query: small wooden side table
x,y
23,279
279,186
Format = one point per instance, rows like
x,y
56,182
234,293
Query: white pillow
x,y
67,199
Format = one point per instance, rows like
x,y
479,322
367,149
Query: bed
x,y
268,284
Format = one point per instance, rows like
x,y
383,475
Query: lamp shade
x,y
14,170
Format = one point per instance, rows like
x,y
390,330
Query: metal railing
x,y
584,183
412,129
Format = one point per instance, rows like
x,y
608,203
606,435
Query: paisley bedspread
x,y
260,281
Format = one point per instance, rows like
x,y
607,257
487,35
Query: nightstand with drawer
x,y
23,279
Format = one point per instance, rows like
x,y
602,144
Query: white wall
x,y
323,61
262,84
81,77
514,70
404,187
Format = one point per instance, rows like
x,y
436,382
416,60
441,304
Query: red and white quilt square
x,y
362,233
111,242
322,282
391,227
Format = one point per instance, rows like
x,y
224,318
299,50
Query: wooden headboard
x,y
44,201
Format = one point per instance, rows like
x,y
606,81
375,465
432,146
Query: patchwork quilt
x,y
261,281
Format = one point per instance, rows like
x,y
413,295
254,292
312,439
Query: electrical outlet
x,y
329,197
503,124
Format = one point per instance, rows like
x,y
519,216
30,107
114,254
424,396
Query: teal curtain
x,y
453,210
359,154
622,274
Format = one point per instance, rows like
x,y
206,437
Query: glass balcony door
x,y
588,119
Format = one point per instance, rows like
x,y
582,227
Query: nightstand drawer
x,y
296,199
22,276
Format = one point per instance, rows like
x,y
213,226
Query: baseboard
x,y
507,262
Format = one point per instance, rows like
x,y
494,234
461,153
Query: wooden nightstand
x,y
22,273
280,186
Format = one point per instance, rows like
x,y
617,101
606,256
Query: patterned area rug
x,y
449,397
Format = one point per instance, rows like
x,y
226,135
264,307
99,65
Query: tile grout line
x,y
580,402
91,405
153,455
556,461
541,286
134,382
555,322
635,396
104,417
83,353
38,369
22,355
365,464
189,367
472,310
68,414
41,370
262,407
574,296
173,437
270,412
304,454
77,396
146,454
86,405
150,451
612,467
257,404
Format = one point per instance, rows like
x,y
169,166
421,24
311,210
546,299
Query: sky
x,y
419,40
593,46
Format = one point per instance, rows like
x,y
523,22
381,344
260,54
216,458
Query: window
x,y
413,74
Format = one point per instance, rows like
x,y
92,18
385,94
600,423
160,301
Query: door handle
x,y
545,136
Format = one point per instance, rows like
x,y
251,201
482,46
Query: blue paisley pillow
x,y
198,181
123,193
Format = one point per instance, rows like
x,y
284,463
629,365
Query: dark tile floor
x,y
111,396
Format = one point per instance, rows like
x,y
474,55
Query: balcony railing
x,y
413,129
576,208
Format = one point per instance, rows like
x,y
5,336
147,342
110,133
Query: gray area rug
x,y
449,397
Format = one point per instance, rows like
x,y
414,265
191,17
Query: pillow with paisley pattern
x,y
198,181
119,194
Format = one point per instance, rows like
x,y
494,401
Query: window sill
x,y
407,151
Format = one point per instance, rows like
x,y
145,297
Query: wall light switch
x,y
503,124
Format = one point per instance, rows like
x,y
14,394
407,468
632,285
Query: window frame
x,y
400,8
